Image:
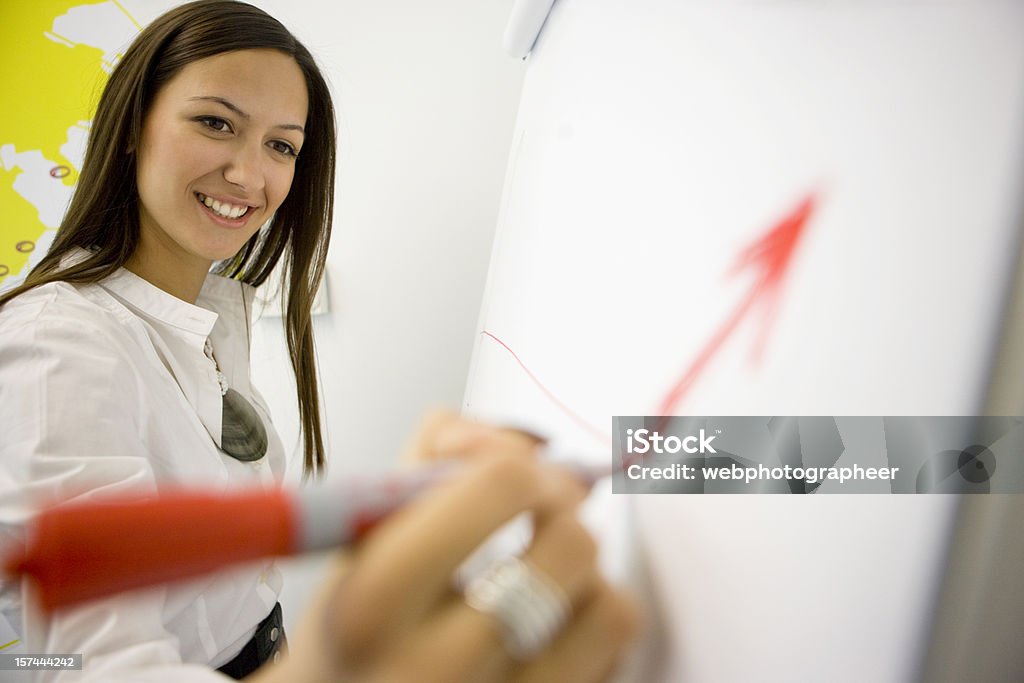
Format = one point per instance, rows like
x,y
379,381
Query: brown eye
x,y
282,147
214,123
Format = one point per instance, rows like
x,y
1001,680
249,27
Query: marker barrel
x,y
83,551
79,552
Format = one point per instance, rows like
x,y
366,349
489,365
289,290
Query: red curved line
x,y
572,414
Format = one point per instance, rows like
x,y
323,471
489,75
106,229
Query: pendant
x,y
243,435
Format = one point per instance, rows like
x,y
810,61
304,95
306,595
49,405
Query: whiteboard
x,y
657,142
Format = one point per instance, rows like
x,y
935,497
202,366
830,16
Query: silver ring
x,y
530,607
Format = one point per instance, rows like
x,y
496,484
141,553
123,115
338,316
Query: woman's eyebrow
x,y
227,103
230,105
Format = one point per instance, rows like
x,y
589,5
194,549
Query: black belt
x,y
266,644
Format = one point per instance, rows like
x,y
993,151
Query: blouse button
x,y
273,634
277,657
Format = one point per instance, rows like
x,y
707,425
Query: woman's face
x,y
217,156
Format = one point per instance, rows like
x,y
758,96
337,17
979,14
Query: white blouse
x,y
105,388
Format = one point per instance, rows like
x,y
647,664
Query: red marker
x,y
83,551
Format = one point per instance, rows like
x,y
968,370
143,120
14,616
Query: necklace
x,y
243,435
221,379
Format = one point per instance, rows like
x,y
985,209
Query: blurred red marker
x,y
82,551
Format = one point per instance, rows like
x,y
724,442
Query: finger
x,y
454,645
313,651
469,439
536,436
591,646
565,553
571,491
405,566
473,642
420,447
444,434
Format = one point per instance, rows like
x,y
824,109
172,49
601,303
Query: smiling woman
x,y
124,359
216,159
124,368
102,230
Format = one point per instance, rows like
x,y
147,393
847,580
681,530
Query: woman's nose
x,y
245,168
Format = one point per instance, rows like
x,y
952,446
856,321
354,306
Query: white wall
x,y
426,103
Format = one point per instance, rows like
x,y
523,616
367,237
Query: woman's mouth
x,y
222,209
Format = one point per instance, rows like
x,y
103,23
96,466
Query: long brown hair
x,y
103,215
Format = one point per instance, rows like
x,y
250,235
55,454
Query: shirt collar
x,y
158,304
218,296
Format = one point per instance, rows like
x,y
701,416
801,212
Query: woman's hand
x,y
392,614
443,435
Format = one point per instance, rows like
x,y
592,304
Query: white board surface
x,y
658,140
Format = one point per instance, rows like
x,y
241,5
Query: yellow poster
x,y
55,56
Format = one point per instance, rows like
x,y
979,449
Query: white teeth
x,y
222,208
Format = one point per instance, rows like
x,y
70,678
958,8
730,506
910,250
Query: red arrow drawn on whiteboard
x,y
771,255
